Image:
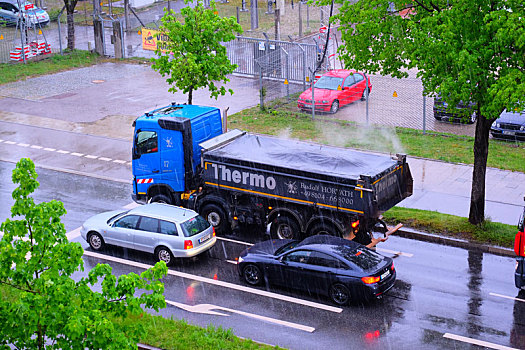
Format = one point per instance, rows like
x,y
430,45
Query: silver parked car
x,y
12,11
164,230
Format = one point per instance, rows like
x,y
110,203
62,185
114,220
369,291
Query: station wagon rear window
x,y
194,226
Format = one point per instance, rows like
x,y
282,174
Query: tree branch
x,y
19,288
423,6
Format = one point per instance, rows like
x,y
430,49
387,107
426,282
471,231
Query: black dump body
x,y
306,173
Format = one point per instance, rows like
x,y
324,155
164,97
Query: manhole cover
x,y
98,81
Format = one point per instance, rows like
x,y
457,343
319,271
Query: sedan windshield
x,y
194,225
329,83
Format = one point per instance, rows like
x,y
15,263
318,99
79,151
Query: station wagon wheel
x,y
164,254
335,107
96,242
283,227
339,294
252,274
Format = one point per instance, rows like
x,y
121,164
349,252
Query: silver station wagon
x,y
161,229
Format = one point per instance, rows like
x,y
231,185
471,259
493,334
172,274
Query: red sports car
x,y
335,89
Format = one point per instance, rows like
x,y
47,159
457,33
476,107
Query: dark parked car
x,y
11,11
509,126
462,113
339,268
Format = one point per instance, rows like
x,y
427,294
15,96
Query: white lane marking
x,y
105,159
234,241
36,147
1,140
23,144
90,156
220,283
408,255
477,342
73,234
232,262
62,151
119,161
507,297
132,205
76,154
11,142
50,149
208,309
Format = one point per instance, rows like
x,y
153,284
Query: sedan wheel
x,y
164,254
339,294
252,274
335,107
95,241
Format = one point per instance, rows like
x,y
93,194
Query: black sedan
x,y
510,126
462,113
339,268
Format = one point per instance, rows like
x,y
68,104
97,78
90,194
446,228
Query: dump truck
x,y
182,157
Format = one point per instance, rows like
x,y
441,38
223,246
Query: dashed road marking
x,y
477,342
220,283
235,241
507,297
76,154
232,262
408,255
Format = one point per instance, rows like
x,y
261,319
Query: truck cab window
x,y
146,142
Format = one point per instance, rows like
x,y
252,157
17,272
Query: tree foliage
x,y
193,56
52,309
465,50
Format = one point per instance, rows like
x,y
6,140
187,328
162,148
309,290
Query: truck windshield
x,y
146,142
194,225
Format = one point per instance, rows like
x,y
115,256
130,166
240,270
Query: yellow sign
x,y
153,39
307,78
339,88
285,81
395,94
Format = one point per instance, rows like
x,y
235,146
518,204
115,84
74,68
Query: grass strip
x,y
490,233
324,129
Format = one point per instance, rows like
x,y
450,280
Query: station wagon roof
x,y
164,211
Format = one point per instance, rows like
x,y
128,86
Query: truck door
x,y
172,159
146,159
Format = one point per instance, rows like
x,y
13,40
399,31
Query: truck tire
x,y
283,227
216,217
160,198
324,228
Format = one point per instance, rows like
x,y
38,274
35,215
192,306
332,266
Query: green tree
x,y
464,50
193,56
51,309
70,18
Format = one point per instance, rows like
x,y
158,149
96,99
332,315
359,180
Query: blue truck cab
x,y
166,152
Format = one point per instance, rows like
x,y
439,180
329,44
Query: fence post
x,y
117,43
304,65
237,14
261,87
99,36
300,21
126,15
254,15
277,15
243,8
424,114
286,75
59,32
366,87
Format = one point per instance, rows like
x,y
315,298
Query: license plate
x,y
505,132
205,238
385,275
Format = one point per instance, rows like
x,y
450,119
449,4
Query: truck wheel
x,y
160,198
324,229
216,217
284,227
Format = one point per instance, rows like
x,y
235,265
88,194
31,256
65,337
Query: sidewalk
x,y
111,95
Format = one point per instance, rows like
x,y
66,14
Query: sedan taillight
x,y
188,244
370,279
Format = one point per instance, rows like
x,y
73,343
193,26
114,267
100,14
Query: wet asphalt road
x,y
439,291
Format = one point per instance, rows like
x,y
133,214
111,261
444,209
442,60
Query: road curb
x,y
408,232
